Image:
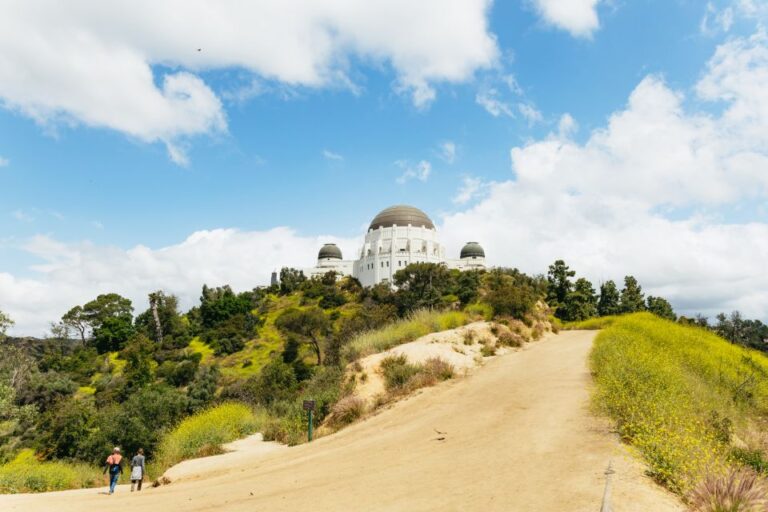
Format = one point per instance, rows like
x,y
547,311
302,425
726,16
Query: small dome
x,y
401,215
329,251
472,250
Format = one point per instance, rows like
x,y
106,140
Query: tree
x,y
659,306
5,324
138,368
218,305
609,302
580,303
632,299
421,285
290,280
509,292
749,333
109,317
311,326
558,279
75,319
155,298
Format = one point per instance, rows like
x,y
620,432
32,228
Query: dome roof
x,y
401,215
329,251
472,250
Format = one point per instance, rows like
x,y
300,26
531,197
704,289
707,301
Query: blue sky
x,y
320,156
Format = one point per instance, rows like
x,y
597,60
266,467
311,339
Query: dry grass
x,y
735,491
347,410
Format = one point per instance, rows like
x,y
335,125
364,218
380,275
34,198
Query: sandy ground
x,y
515,435
447,345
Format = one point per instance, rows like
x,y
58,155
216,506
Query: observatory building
x,y
397,236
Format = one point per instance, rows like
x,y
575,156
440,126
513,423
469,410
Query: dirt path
x,y
517,437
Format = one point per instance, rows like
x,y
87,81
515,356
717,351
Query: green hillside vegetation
x,y
179,384
693,404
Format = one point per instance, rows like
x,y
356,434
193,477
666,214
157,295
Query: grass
x,y
402,377
196,346
680,395
204,433
590,324
416,325
27,474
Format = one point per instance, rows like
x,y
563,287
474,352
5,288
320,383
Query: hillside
x,y
694,405
516,435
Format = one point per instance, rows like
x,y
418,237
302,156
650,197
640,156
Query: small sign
x,y
309,405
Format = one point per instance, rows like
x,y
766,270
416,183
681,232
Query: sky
x,y
185,142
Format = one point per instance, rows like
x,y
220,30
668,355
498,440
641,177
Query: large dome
x,y
401,215
472,250
329,251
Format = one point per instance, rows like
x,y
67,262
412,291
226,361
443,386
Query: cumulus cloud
x,y
135,70
420,171
70,274
604,205
578,17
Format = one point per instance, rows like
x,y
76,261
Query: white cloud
x,y
4,162
420,171
22,216
93,63
71,274
600,205
471,188
490,101
448,151
530,113
578,17
330,155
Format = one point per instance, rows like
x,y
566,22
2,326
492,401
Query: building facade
x,y
397,236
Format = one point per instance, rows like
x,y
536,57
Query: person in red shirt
x,y
114,466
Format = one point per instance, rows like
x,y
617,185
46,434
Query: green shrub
x,y
479,310
397,372
26,474
676,393
204,433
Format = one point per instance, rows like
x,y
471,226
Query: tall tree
x,y
76,319
155,298
580,303
559,283
632,298
290,280
609,302
110,318
660,306
421,285
311,326
5,324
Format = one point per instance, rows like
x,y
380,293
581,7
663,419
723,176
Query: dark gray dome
x,y
401,215
329,251
472,250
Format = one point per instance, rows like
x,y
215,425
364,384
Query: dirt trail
x,y
517,436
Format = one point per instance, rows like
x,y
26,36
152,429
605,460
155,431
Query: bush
x,y
676,392
347,410
736,491
438,368
203,433
479,310
26,474
397,372
488,350
416,325
508,339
